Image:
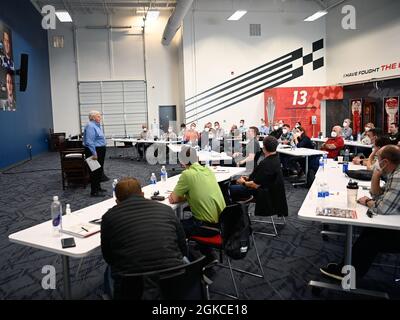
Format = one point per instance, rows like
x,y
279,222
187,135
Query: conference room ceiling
x,y
105,6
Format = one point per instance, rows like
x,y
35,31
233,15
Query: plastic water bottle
x,y
114,185
325,159
153,182
56,216
351,138
320,198
346,155
359,137
68,209
321,163
164,174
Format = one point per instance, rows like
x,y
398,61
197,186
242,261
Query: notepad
x,y
338,213
81,230
93,164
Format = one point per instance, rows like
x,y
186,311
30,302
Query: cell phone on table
x,y
158,198
68,243
96,221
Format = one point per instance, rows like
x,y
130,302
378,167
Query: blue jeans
x,y
240,192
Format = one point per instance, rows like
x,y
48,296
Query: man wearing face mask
x,y
347,132
335,143
277,132
170,135
206,135
385,201
369,162
364,136
286,136
141,147
192,135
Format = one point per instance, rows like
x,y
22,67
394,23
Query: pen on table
x,y
85,229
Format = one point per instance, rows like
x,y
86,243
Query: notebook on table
x,y
338,213
81,230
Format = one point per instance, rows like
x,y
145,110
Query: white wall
x,y
103,54
215,47
374,42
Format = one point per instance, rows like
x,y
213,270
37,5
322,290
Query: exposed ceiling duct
x,y
175,21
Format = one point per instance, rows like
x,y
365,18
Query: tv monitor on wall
x,y
7,70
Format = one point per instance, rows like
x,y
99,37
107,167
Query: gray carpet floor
x,y
289,261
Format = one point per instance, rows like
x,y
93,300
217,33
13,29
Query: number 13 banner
x,y
299,104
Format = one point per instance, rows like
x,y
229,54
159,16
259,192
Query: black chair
x,y
74,169
184,282
228,222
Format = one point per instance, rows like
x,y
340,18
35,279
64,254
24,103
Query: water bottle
x,y
321,163
153,182
164,174
114,185
359,137
68,209
351,138
346,155
325,190
320,198
325,159
56,216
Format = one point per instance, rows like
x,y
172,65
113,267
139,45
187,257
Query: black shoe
x,y
105,178
333,270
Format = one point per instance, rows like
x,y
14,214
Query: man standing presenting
x,y
95,146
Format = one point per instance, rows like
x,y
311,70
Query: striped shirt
x,y
389,201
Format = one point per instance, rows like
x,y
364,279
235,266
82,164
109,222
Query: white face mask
x,y
296,126
276,127
206,129
366,129
242,124
377,166
333,134
345,124
284,131
280,125
145,129
170,130
216,127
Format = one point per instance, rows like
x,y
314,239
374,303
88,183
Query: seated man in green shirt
x,y
198,186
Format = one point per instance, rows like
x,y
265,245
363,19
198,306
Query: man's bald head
x,y
127,187
338,130
390,153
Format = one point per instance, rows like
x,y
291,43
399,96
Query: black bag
x,y
364,174
236,231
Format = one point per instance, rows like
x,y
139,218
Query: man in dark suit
x,y
265,183
140,235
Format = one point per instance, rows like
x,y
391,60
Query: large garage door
x,y
123,105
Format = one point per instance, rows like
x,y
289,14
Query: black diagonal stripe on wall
x,y
317,45
239,82
294,55
293,75
242,87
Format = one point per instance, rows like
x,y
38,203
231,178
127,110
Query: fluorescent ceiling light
x,y
316,15
63,16
152,15
237,15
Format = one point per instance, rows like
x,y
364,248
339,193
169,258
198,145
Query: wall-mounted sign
x,y
391,110
299,104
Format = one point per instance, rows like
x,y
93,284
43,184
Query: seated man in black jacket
x,y
265,182
140,235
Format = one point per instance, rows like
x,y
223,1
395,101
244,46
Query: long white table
x,y
204,156
337,182
355,144
300,152
40,236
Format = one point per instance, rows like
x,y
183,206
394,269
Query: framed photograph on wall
x,y
356,114
391,111
7,70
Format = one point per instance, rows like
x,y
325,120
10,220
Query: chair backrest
x,y
236,230
184,282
